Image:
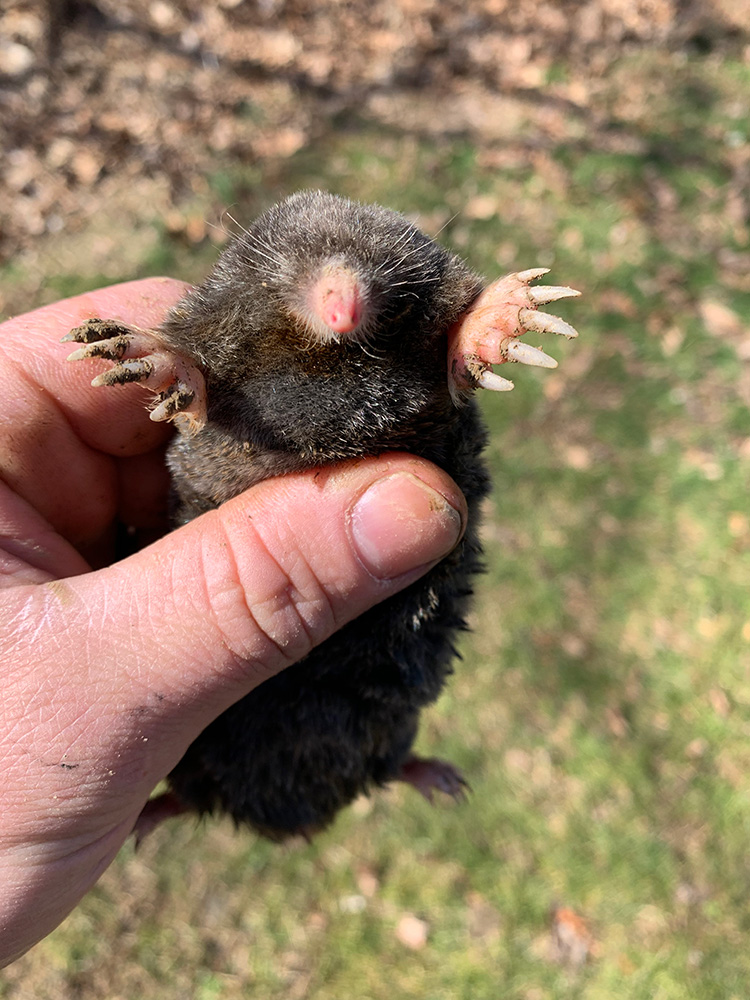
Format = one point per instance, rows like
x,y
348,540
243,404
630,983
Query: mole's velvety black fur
x,y
287,757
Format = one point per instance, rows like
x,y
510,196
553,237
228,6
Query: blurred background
x,y
601,711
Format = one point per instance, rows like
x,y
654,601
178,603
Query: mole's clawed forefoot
x,y
141,356
429,775
487,333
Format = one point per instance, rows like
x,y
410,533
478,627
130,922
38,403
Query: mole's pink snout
x,y
338,299
341,313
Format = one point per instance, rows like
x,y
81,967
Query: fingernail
x,y
400,523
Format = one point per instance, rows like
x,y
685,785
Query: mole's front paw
x,y
429,775
487,333
141,356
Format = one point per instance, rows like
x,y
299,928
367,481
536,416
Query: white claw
x,y
532,274
543,294
185,404
160,412
164,411
542,322
528,355
78,355
491,380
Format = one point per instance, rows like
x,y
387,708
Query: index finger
x,y
114,421
61,439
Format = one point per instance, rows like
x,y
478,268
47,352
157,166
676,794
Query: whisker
x,y
413,252
220,228
407,233
371,353
422,281
445,225
272,257
238,224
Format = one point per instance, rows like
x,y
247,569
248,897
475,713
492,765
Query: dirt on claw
x,y
141,357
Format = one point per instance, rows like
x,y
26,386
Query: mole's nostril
x,y
337,298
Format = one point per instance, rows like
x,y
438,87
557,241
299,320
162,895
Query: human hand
x,y
112,668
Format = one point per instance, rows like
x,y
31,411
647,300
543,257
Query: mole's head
x,y
323,327
338,270
334,300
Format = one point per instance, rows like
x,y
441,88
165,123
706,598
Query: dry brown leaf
x,y
720,320
572,939
412,932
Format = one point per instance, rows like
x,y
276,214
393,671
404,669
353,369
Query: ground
x,y
601,712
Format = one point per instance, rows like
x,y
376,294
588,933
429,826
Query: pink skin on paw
x,y
337,299
479,338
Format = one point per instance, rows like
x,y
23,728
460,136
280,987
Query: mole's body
x,y
330,330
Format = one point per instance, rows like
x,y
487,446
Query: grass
x,y
602,707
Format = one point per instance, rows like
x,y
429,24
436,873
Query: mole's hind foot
x,y
429,775
140,356
487,333
156,810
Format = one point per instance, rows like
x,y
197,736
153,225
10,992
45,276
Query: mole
x,y
327,330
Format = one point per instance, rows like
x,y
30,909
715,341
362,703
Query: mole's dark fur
x,y
287,757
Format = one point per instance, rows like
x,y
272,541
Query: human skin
x,y
112,668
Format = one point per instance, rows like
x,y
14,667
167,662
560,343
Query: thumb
x,y
110,675
158,645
